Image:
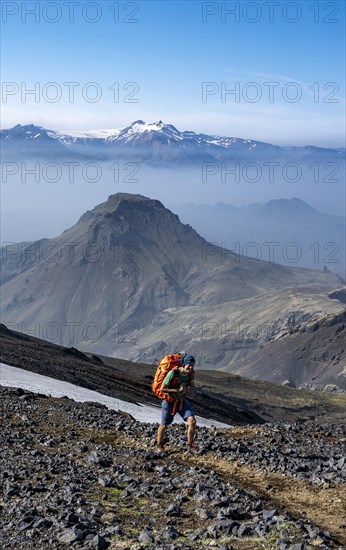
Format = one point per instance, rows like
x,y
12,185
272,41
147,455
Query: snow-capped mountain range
x,y
148,142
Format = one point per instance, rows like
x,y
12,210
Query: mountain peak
x,y
288,205
124,202
137,122
141,125
113,201
27,127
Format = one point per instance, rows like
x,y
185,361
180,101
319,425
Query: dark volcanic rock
x,y
73,479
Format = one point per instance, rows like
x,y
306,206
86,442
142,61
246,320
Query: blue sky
x,y
178,61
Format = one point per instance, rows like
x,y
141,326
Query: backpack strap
x,y
174,407
176,401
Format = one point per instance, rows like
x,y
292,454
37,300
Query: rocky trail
x,y
76,475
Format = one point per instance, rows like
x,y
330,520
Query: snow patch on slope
x,y
13,377
86,134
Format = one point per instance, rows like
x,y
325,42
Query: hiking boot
x,y
192,448
160,448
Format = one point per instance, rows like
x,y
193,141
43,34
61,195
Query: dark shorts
x,y
167,416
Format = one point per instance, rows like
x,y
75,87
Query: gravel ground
x,y
76,475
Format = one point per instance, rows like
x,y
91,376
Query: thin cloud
x,y
308,87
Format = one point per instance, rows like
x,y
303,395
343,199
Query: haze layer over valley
x,y
60,174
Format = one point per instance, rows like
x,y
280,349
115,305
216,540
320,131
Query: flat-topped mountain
x,y
129,265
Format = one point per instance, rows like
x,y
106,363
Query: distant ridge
x,y
148,142
315,239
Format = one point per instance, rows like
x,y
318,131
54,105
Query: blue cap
x,y
188,360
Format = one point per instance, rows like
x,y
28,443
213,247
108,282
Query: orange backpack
x,y
167,363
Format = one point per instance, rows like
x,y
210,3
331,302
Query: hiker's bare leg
x,y
161,434
191,429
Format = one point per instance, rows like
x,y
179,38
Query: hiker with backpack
x,y
174,374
